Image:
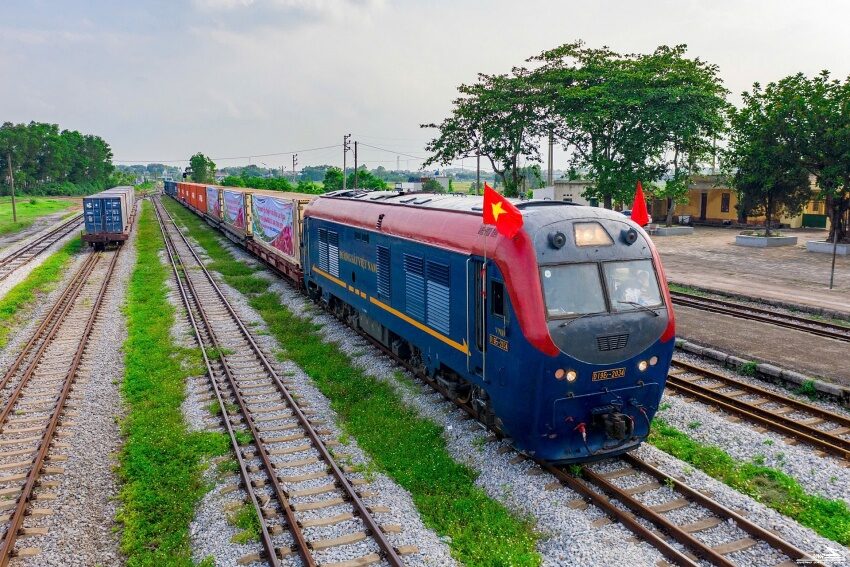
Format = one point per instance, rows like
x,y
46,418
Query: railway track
x,y
34,395
305,504
651,503
34,248
796,420
742,311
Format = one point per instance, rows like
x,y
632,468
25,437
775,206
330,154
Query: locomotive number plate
x,y
499,342
608,374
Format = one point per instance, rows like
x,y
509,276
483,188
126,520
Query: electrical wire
x,y
228,158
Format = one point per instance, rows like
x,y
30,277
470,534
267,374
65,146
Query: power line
x,y
226,158
393,152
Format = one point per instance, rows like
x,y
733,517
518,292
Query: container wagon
x,y
170,187
108,215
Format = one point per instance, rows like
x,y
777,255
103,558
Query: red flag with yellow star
x,y
500,212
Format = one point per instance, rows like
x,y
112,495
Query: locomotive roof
x,y
538,211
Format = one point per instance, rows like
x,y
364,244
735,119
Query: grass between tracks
x,y
410,449
28,209
161,462
38,281
774,488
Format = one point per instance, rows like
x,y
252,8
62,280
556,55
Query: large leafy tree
x,y
500,117
632,117
819,112
597,104
43,155
688,107
203,168
333,179
767,170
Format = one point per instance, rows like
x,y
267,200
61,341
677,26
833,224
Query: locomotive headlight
x,y
653,361
571,375
643,365
559,374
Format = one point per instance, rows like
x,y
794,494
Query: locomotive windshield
x,y
632,285
573,289
577,289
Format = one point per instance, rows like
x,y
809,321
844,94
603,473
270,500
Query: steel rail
x,y
174,257
824,414
64,229
698,497
821,328
780,424
17,518
388,551
61,306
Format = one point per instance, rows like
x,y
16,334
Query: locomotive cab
x,y
607,311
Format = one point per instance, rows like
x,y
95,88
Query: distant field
x,y
29,209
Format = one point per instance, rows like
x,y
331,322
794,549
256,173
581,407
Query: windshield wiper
x,y
565,323
640,307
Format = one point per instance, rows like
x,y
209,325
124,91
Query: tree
x,y
499,117
309,187
203,168
233,181
333,179
433,186
365,180
819,109
768,173
689,106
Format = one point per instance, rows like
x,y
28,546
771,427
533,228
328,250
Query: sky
x,y
241,79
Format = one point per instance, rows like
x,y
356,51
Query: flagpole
x,y
484,310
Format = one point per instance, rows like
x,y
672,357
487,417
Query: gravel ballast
x,y
211,532
80,530
21,273
823,475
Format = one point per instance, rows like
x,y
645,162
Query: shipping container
x,y
170,187
213,203
234,213
274,226
108,215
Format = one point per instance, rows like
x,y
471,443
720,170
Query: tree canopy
x,y
333,179
46,158
767,171
203,168
621,117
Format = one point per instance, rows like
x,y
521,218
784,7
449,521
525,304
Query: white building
x,y
565,190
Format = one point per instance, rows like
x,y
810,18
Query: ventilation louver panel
x,y
383,265
323,249
612,342
438,297
333,253
414,283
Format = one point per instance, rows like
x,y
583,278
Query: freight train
x,y
107,216
561,336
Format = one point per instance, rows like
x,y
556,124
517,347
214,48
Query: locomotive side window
x,y
573,289
632,285
497,298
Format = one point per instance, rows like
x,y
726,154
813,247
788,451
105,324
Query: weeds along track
x,y
798,421
770,316
305,504
26,253
34,400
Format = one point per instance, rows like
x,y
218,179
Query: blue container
x,y
107,215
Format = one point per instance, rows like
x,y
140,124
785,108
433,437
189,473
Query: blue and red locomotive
x,y
562,336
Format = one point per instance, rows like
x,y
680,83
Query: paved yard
x,y
709,258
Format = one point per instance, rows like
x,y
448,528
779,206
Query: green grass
x,y
408,448
680,288
29,209
245,518
39,281
829,518
161,462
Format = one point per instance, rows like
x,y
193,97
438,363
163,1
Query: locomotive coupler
x,y
616,424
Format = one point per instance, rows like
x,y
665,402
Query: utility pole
x,y
294,163
355,165
550,176
12,185
344,155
